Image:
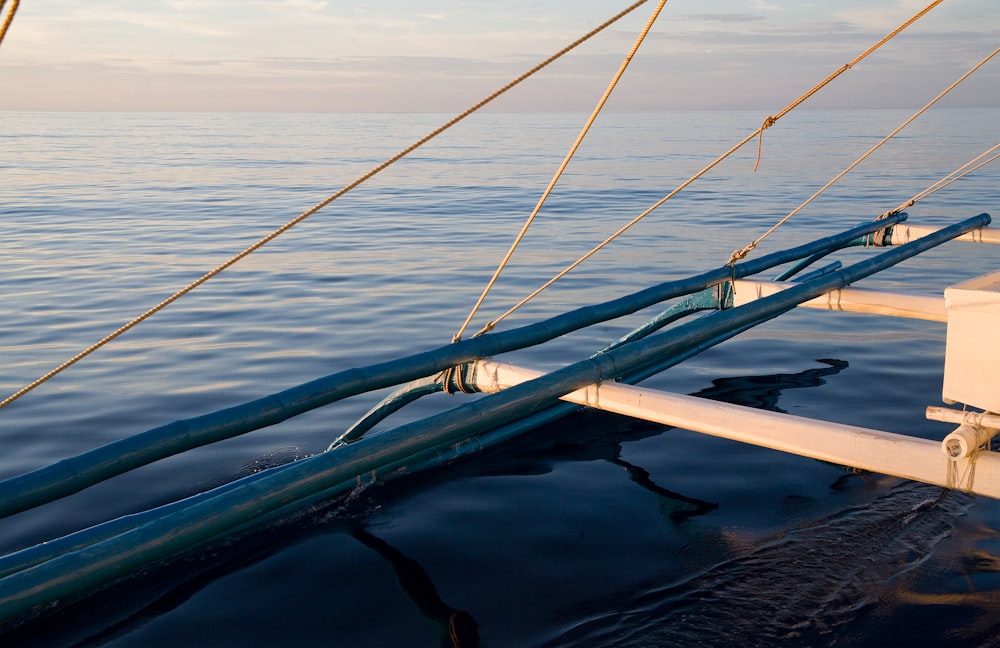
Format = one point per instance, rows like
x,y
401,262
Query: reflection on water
x,y
376,277
817,584
763,392
799,587
973,586
674,507
457,627
981,629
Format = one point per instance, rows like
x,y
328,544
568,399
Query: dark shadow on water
x,y
674,507
123,608
763,392
816,585
821,583
897,531
457,627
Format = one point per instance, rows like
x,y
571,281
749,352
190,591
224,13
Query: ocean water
x,y
568,536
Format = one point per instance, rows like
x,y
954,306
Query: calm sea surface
x,y
563,537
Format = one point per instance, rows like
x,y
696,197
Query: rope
x,y
10,17
562,167
741,253
768,122
298,219
957,174
955,478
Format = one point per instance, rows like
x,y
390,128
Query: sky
x,y
442,56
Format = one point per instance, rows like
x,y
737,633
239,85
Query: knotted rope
x,y
770,121
741,253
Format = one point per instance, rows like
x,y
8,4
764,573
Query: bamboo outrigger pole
x,y
164,534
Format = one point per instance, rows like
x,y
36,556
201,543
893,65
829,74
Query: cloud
x,y
883,18
384,55
725,18
281,6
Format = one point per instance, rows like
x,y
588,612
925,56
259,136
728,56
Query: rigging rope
x,y
957,174
562,167
768,122
741,253
10,17
309,212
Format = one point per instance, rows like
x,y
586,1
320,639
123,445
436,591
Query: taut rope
x,y
9,18
741,253
969,167
562,167
309,212
768,122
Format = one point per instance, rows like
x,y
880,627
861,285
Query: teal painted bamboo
x,y
250,500
76,473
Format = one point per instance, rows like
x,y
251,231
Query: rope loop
x,y
741,254
456,379
956,478
881,142
446,380
748,138
769,121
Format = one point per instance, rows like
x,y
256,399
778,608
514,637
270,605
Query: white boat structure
x,y
962,460
75,565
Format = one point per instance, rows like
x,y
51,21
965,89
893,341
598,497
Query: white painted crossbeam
x,y
873,450
855,300
904,233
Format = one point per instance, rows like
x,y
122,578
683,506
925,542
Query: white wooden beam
x,y
904,233
855,300
873,450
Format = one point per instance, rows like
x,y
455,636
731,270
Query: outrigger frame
x,y
73,566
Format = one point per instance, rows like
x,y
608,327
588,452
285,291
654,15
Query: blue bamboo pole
x,y
76,473
250,500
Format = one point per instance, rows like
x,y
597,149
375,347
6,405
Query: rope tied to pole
x,y
963,446
969,167
309,212
457,379
739,254
844,68
709,167
558,174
